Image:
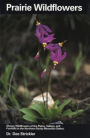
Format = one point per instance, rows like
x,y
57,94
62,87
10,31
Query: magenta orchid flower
x,y
42,29
53,47
46,39
57,56
44,34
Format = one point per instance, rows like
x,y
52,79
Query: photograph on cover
x,y
44,69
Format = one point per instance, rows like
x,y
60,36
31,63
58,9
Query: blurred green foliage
x,y
78,62
4,83
30,73
79,59
5,77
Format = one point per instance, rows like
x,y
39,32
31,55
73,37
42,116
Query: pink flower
x,y
52,46
57,56
44,33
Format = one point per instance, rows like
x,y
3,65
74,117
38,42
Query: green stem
x,y
49,86
41,89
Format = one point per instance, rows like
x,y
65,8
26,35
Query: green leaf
x,y
30,118
55,104
40,108
26,111
69,113
78,112
64,104
29,114
52,114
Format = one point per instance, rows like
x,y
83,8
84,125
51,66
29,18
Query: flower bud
x,y
37,56
43,73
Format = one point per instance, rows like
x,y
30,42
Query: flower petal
x,y
47,28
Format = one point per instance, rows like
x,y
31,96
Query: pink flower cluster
x,y
45,37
